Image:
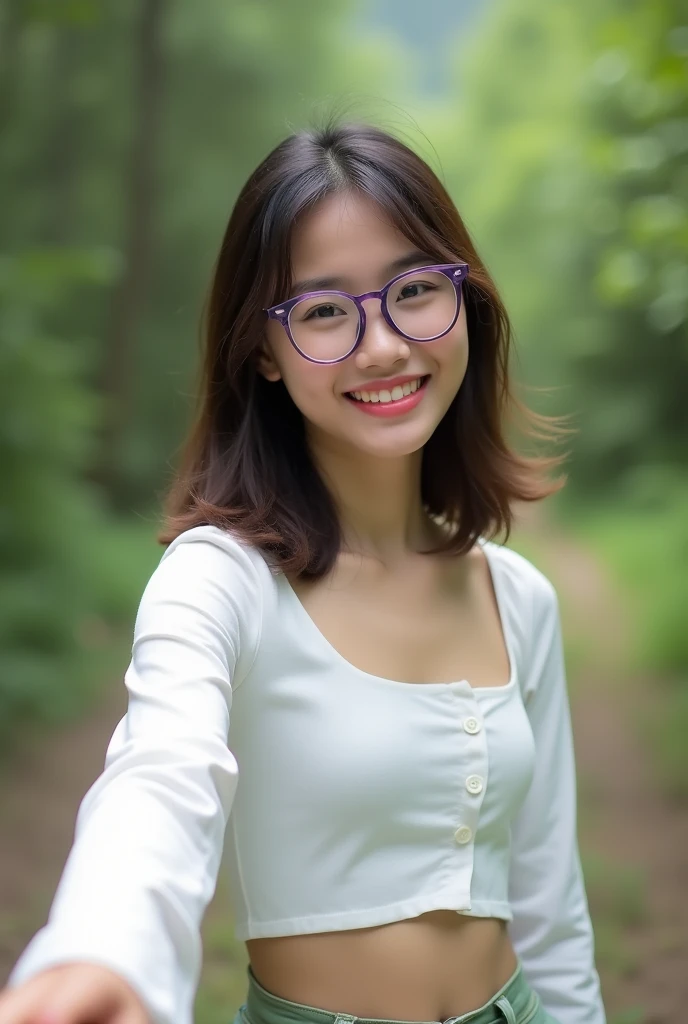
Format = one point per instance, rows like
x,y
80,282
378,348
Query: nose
x,y
380,345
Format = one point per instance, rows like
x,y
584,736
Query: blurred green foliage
x,y
126,131
104,166
48,416
647,549
570,164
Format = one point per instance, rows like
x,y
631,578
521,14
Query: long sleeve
x,y
551,930
150,830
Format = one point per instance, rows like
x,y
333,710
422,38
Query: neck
x,y
378,501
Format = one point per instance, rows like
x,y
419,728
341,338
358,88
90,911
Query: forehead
x,y
349,229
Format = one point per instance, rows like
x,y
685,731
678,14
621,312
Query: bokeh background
x,y
561,131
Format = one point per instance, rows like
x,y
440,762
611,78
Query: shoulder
x,y
212,571
530,606
208,588
207,549
522,580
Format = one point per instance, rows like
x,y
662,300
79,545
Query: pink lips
x,y
394,408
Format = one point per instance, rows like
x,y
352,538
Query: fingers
x,y
19,1005
92,996
78,1000
73,996
132,1016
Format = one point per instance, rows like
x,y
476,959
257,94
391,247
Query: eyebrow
x,y
314,284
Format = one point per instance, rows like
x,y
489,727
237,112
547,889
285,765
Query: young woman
x,y
333,658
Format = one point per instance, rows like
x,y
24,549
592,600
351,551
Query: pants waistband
x,y
514,1003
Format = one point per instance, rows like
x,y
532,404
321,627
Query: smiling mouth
x,y
394,395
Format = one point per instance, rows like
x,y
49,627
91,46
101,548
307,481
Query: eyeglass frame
x,y
456,272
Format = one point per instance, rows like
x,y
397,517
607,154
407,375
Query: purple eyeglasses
x,y
425,316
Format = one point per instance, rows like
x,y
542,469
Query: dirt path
x,y
635,839
642,838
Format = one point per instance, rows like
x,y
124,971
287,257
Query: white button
x,y
463,834
474,784
472,726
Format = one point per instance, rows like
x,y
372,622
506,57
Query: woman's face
x,y
348,237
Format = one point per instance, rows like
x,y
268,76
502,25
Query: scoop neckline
x,y
419,686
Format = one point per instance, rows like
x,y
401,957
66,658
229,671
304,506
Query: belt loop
x,y
507,1009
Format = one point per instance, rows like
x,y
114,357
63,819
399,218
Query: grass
x,y
667,729
116,560
617,894
647,552
632,1015
223,980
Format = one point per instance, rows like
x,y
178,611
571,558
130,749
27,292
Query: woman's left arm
x,y
551,929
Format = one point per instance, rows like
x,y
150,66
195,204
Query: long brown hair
x,y
245,464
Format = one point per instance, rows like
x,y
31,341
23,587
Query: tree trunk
x,y
60,153
10,31
118,358
11,27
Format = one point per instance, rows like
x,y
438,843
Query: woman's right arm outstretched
x,y
125,921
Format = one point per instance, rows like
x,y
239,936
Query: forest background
x,y
126,131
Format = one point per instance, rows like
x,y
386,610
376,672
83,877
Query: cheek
x,y
451,352
310,385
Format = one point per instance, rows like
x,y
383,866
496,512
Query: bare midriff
x,y
427,968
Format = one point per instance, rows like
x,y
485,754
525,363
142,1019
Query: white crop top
x,y
343,799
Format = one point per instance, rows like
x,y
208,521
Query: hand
x,y
73,993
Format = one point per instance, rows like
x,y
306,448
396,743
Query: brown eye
x,y
414,284
327,311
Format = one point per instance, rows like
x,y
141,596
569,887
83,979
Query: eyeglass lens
x,y
422,306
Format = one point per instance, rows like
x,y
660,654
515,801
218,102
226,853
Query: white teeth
x,y
397,392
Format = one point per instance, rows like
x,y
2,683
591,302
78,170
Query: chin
x,y
392,447
377,438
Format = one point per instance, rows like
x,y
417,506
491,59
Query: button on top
x,y
474,784
472,726
463,834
